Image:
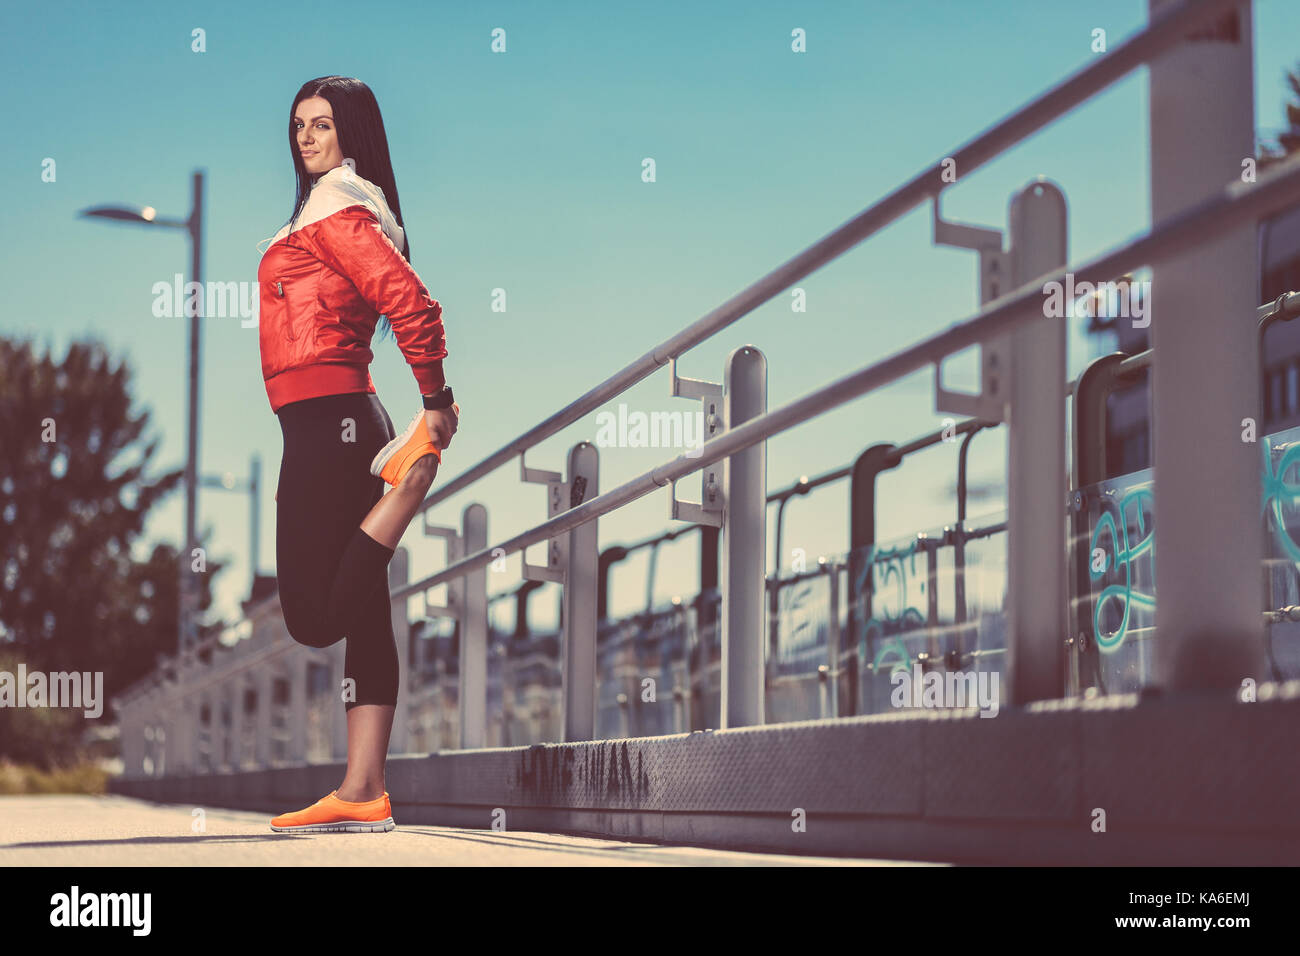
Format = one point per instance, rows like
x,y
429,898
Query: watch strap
x,y
439,400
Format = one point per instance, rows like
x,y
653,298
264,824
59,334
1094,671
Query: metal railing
x,y
1161,34
1009,325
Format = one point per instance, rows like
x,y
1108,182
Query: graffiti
x,y
893,613
800,635
1277,496
548,772
1125,554
895,646
890,562
1276,491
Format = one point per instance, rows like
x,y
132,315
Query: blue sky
x,y
522,171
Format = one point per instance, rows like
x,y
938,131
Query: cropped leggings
x,y
333,577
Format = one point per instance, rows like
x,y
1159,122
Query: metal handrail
x,y
1159,35
1163,32
1236,205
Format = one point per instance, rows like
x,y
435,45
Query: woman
x,y
340,262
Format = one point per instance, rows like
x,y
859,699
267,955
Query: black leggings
x,y
333,577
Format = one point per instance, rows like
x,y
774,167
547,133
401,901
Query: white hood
x,y
337,189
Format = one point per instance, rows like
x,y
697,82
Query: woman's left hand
x,y
442,424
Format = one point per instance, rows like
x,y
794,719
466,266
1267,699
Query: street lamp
x,y
148,216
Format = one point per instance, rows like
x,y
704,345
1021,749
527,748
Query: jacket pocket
x,y
295,296
282,289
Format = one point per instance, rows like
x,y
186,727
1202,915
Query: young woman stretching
x,y
328,275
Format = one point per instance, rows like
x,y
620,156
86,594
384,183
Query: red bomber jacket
x,y
323,286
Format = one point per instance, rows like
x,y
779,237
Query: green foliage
x,y
1288,141
72,595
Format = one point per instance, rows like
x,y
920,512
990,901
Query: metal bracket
x,y
454,554
710,396
557,548
990,403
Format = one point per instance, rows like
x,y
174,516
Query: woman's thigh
x,y
325,490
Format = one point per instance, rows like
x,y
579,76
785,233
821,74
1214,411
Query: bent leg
x,y
387,520
325,475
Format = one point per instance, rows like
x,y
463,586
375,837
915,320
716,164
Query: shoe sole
x,y
393,447
388,451
340,826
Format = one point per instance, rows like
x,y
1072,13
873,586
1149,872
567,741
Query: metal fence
x,y
1203,223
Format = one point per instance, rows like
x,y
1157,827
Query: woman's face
x,y
317,137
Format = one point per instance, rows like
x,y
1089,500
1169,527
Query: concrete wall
x,y
1187,780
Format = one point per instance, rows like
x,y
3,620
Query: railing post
x,y
335,658
1089,466
265,687
187,735
832,568
861,581
744,553
1204,377
472,686
235,690
202,735
578,634
164,768
170,712
218,700
131,739
149,747
455,610
1036,463
578,646
1022,378
143,723
298,706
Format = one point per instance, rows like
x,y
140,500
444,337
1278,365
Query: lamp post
x,y
147,215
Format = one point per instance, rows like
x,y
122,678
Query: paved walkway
x,y
114,830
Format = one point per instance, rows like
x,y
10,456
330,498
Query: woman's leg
x,y
370,725
387,521
333,573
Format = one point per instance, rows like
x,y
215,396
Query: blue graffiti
x,y
1125,554
1276,491
892,618
895,645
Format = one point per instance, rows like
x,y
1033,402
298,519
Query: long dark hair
x,y
359,128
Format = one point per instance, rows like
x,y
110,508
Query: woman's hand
x,y
442,424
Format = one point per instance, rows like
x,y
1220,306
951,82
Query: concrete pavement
x,y
113,830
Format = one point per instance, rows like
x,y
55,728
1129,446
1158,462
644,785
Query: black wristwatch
x,y
439,400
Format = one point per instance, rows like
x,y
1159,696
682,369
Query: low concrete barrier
x,y
1191,779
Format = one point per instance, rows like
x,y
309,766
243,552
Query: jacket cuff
x,y
430,377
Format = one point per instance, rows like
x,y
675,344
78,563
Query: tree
x,y
1287,141
74,496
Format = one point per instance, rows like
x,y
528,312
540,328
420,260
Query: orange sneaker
x,y
331,815
396,458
